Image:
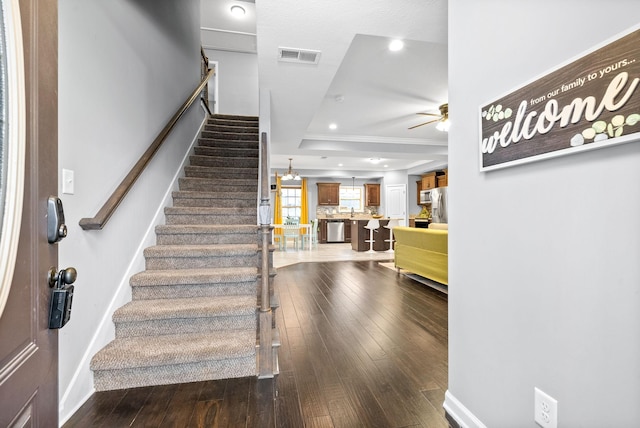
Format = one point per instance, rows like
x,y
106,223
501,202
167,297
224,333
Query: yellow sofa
x,y
423,252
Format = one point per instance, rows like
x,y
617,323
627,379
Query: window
x,y
291,201
350,197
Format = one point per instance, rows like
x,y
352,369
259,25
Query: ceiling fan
x,y
442,118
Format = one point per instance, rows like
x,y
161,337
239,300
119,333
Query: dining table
x,y
296,231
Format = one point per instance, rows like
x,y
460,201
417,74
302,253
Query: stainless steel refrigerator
x,y
439,205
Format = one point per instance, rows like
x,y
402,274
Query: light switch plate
x,y
68,183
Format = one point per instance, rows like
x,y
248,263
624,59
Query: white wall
x,y
543,268
124,69
237,82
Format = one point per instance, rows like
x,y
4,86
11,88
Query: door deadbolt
x,y
56,229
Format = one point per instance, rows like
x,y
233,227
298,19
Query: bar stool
x,y
392,223
373,224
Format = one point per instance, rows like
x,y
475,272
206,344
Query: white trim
x,y
460,413
16,114
374,139
105,332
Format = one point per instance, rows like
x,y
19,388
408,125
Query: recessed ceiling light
x,y
375,160
237,11
396,45
333,126
386,166
340,164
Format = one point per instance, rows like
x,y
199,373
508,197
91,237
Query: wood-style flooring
x,y
361,347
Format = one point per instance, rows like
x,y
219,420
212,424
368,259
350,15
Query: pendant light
x,y
291,174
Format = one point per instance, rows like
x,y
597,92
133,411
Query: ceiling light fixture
x,y
333,126
291,174
396,45
237,11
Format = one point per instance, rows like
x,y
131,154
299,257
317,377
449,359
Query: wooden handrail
x,y
109,207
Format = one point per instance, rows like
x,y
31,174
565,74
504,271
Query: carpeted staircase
x,y
193,312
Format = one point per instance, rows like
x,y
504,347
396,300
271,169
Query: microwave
x,y
425,197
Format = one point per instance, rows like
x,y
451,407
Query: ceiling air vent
x,y
302,56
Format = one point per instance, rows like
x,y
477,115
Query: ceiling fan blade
x,y
425,123
430,114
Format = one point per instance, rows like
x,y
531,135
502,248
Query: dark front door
x,y
28,349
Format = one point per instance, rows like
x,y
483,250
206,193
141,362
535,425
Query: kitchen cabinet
x,y
442,178
429,181
328,193
419,187
323,231
347,231
372,195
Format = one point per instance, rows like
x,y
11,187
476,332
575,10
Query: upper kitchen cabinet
x,y
328,193
442,179
372,195
429,181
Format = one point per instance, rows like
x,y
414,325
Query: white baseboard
x,y
460,413
81,386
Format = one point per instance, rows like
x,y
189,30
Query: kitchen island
x,y
359,235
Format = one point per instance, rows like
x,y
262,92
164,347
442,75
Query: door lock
x,y
60,309
56,229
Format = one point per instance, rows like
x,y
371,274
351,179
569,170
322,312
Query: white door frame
x,y
213,83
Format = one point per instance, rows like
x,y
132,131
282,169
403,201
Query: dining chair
x,y
290,231
310,236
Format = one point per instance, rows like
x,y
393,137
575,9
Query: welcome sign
x,y
589,103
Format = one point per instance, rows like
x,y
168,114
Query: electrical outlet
x,y
545,409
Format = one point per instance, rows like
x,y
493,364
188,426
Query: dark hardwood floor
x,y
361,347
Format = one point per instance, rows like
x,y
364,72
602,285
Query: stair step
x,y
200,256
205,234
230,136
221,172
185,315
222,161
245,200
234,118
157,360
206,215
218,185
236,128
217,142
226,152
169,284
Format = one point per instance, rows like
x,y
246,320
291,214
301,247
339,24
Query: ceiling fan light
x,y
443,125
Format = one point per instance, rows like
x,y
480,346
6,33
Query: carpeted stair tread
x,y
223,229
210,185
229,135
214,195
133,352
178,251
207,210
209,172
218,142
193,276
192,307
228,152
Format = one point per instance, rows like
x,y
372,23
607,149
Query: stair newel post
x,y
265,354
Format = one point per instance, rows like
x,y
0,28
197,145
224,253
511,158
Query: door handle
x,y
60,308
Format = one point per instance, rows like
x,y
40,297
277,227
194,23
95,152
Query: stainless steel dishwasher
x,y
335,231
